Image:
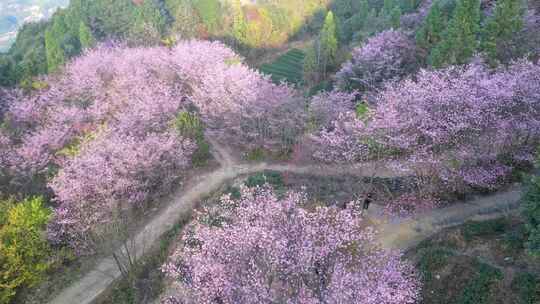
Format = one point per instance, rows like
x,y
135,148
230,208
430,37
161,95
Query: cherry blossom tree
x,y
461,127
237,103
388,55
267,249
114,172
100,133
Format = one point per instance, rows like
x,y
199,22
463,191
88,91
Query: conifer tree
x,y
53,44
431,32
461,39
363,9
395,17
311,66
148,24
501,28
328,42
239,22
85,37
388,5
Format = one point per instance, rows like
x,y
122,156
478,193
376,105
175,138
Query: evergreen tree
x,y
356,22
395,17
343,9
210,13
372,24
430,34
54,36
185,19
239,22
410,5
328,42
389,16
531,213
501,28
311,66
149,24
85,36
363,9
461,39
388,6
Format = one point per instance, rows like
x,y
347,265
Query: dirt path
x,y
405,235
93,284
180,205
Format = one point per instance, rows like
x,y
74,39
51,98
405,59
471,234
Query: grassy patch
x,y
272,178
288,67
515,238
233,191
432,260
473,264
473,229
256,154
478,289
527,287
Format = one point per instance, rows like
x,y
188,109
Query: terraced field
x,y
288,67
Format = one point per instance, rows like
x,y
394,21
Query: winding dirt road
x,y
400,235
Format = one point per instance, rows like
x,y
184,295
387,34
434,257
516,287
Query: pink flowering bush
x,y
463,127
388,55
266,249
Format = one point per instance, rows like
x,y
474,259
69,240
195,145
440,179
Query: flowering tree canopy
x,y
388,55
266,249
468,125
101,132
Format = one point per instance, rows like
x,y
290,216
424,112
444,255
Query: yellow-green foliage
x,y
24,251
362,111
190,126
74,147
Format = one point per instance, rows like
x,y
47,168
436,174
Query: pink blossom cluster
x,y
326,106
267,249
115,172
239,104
387,55
101,135
466,126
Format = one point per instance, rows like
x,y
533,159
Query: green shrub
x,y
256,154
189,125
272,178
24,252
73,148
362,110
531,201
477,290
515,239
321,87
527,286
432,259
210,12
474,229
234,192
